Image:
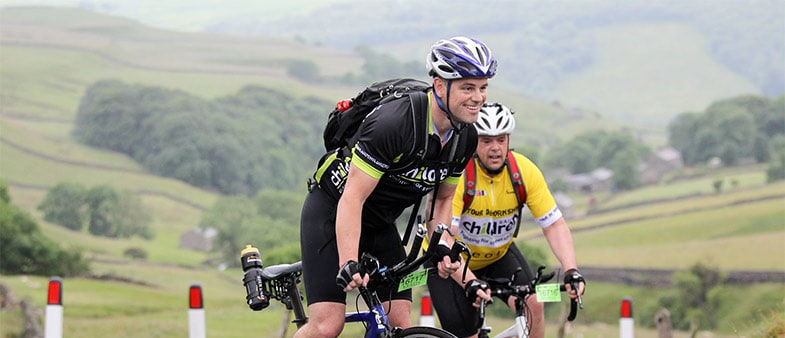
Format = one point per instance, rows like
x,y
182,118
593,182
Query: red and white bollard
x,y
196,325
426,311
54,309
626,322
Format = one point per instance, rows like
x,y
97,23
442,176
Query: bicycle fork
x,y
375,319
519,330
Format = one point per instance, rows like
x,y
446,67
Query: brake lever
x,y
368,264
455,254
457,249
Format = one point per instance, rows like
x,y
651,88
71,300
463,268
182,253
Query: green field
x,y
670,226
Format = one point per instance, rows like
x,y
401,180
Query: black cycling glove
x,y
346,272
441,251
573,276
472,286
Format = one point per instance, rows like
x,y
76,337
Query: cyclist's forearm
x,y
560,240
347,230
442,211
348,216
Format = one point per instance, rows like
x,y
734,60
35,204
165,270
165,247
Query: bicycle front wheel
x,y
424,332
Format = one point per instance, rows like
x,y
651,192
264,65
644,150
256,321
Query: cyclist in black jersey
x,y
360,192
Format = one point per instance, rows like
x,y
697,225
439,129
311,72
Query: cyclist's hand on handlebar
x,y
446,266
477,290
572,280
349,276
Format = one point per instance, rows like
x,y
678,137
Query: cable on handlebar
x,y
418,238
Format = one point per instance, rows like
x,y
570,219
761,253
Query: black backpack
x,y
345,119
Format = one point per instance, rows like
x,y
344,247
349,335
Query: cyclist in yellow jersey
x,y
488,226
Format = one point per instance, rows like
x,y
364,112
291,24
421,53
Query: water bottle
x,y
251,261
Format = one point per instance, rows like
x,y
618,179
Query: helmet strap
x,y
446,108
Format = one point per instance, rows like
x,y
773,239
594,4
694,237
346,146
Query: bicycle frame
x,y
520,328
375,320
280,283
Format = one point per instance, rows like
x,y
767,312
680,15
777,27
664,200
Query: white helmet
x,y
461,57
495,119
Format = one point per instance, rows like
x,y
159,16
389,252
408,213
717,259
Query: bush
x,y
135,253
775,326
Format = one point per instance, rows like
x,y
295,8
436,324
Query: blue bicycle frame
x,y
374,321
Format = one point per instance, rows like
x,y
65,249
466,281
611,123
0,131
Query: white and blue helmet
x,y
461,57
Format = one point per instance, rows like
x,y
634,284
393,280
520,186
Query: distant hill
x,y
74,47
637,62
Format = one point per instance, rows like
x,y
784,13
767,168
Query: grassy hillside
x,y
667,64
47,65
643,74
158,307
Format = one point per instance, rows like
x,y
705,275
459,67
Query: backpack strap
x,y
515,176
419,102
469,184
412,218
517,185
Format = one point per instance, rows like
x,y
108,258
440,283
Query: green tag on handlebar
x,y
547,293
413,279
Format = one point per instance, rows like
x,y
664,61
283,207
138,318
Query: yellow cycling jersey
x,y
489,223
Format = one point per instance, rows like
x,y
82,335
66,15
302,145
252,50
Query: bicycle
x,y
280,282
504,288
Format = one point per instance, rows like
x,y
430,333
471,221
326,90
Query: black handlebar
x,y
412,261
505,288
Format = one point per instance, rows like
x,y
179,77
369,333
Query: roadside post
x,y
426,310
54,309
626,322
196,325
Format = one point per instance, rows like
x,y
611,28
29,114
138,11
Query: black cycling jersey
x,y
384,150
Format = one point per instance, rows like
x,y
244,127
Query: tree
x,y
103,202
730,129
735,132
305,70
116,214
776,170
25,250
64,204
280,205
697,294
615,150
625,169
576,156
131,217
233,217
236,144
681,135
